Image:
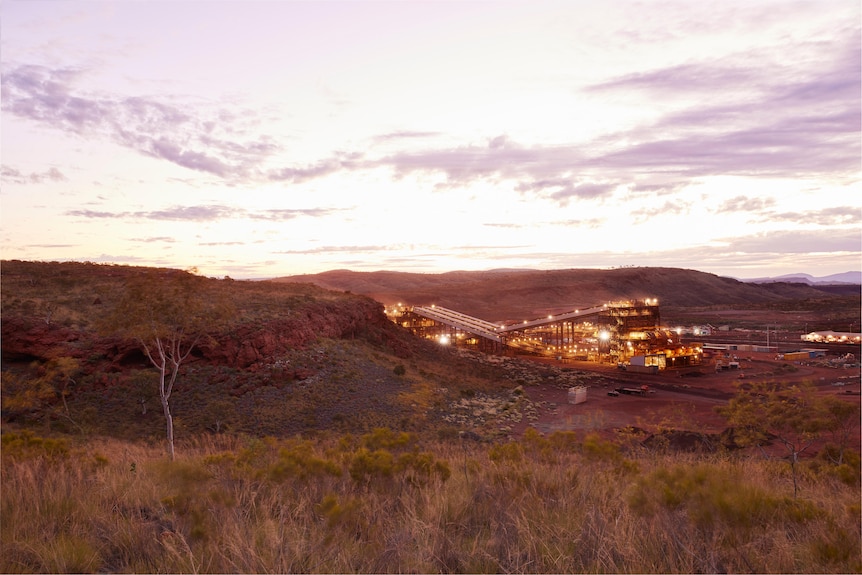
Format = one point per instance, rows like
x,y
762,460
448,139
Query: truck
x,y
642,390
651,369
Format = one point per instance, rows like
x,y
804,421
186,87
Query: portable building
x,y
577,394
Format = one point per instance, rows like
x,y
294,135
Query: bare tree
x,y
842,421
793,416
168,314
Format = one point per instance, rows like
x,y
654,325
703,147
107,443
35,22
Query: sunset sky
x,y
261,139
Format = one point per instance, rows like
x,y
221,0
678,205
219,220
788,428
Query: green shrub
x,y
27,445
418,468
837,547
69,554
511,452
385,438
845,465
596,448
297,461
713,494
346,517
366,465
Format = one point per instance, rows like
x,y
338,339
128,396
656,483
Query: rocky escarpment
x,y
250,344
244,344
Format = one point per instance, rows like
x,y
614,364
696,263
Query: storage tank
x,y
577,394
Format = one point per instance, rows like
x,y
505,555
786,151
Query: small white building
x,y
577,394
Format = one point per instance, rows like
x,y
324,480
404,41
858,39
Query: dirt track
x,y
676,399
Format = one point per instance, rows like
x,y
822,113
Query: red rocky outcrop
x,y
244,345
249,344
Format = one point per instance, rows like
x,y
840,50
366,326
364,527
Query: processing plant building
x,y
622,333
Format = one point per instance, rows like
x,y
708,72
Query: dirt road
x,y
679,400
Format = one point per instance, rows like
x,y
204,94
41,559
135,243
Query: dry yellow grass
x,y
388,502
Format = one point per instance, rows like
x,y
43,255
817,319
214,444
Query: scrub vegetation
x,y
390,501
312,435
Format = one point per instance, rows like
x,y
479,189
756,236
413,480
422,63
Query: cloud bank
x,y
752,115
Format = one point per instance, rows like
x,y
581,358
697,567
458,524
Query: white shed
x,y
577,394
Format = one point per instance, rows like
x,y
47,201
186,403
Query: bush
x,y
298,462
367,466
714,495
26,445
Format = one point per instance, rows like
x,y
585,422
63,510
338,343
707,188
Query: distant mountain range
x,y
842,278
520,294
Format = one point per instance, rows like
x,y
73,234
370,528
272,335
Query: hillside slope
x,y
51,309
294,358
514,295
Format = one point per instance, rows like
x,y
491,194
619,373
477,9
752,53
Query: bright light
x,y
604,336
444,340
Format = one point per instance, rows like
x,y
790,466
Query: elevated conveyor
x,y
611,332
569,315
460,320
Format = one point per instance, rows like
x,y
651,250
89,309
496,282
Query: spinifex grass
x,y
392,502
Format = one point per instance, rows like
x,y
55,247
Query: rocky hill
x,y
519,294
293,358
297,357
51,309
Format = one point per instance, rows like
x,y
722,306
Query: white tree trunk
x,y
169,350
169,421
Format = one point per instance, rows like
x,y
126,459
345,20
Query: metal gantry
x,y
611,332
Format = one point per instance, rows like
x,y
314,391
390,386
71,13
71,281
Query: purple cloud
x,y
404,135
190,213
204,214
790,120
703,77
321,169
750,117
164,239
337,249
745,204
51,174
280,215
95,214
826,217
746,115
47,96
798,242
674,207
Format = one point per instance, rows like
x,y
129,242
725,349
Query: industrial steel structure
x,y
627,333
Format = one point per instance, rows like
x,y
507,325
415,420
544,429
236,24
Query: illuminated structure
x,y
615,332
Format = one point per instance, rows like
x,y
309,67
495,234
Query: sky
x,y
258,139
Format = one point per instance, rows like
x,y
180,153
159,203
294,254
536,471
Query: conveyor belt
x,y
459,320
555,318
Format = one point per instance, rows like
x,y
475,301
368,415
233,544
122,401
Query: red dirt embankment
x,y
250,344
242,346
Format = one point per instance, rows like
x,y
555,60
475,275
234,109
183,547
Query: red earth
x,y
676,399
